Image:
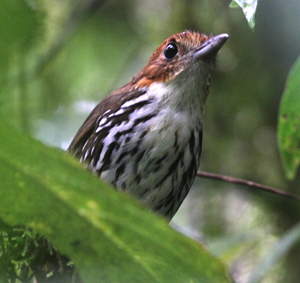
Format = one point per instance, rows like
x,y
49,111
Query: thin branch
x,y
251,184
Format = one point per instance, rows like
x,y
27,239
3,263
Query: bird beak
x,y
211,47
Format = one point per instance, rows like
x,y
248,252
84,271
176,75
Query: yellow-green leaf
x,y
289,123
109,235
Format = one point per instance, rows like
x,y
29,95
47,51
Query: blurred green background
x,y
60,58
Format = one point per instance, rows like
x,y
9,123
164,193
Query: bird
x,y
145,138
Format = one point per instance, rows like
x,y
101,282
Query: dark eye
x,y
171,50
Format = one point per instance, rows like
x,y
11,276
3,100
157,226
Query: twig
x,y
246,183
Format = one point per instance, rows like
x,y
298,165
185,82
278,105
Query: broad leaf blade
x,y
109,236
289,123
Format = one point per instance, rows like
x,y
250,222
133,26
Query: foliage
x,y
289,123
26,255
249,9
108,235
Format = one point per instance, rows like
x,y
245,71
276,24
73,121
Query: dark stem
x,y
251,184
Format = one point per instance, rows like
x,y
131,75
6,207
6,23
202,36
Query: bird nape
x,y
146,137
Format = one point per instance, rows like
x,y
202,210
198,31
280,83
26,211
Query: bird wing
x,y
87,135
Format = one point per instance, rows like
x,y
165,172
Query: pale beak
x,y
211,47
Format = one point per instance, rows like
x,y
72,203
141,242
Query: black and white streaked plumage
x,y
145,138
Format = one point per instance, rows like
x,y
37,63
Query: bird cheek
x,y
144,82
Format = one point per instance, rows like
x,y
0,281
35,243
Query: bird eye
x,y
171,50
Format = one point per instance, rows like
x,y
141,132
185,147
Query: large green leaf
x,y
109,236
289,123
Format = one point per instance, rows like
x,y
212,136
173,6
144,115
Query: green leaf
x,y
289,123
109,235
234,4
276,254
249,9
